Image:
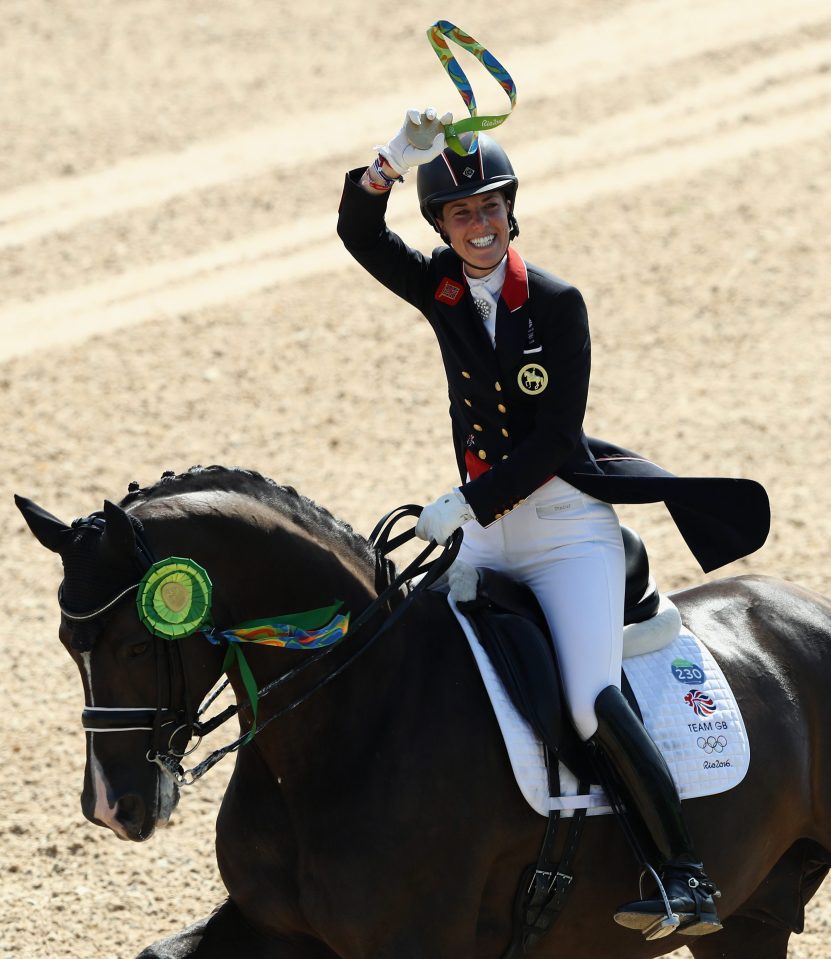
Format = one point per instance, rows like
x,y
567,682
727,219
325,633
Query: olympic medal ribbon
x,y
438,35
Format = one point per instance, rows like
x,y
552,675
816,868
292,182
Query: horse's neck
x,y
315,572
295,572
319,576
288,570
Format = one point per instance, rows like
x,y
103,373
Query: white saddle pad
x,y
687,707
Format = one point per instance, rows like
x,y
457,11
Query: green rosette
x,y
174,597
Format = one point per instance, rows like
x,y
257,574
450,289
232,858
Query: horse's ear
x,y
47,529
119,537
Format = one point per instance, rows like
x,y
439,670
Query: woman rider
x,y
535,491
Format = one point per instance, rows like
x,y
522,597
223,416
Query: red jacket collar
x,y
515,291
515,288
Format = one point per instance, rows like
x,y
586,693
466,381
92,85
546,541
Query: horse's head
x,y
145,662
139,690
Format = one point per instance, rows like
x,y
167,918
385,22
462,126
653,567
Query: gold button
x,y
504,456
468,403
465,374
482,454
501,407
498,516
498,386
504,431
477,427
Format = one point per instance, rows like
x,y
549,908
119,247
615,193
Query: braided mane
x,y
284,499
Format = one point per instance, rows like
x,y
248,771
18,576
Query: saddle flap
x,y
510,627
519,653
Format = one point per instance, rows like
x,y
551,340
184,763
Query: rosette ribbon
x,y
174,597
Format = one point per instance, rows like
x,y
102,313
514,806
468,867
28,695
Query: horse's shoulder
x,y
432,632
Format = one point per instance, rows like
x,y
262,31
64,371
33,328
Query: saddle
x,y
512,629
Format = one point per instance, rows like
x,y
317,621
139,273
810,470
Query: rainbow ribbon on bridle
x,y
312,629
309,630
436,34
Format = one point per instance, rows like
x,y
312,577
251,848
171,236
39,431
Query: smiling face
x,y
478,230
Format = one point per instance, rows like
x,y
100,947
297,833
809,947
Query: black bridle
x,y
157,719
392,600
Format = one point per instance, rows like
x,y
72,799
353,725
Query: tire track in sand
x,y
769,104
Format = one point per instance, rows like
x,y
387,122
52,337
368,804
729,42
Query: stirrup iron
x,y
666,925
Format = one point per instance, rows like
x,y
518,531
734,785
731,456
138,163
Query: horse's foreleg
x,y
226,933
742,938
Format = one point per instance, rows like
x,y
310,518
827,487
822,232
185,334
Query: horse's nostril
x,y
130,813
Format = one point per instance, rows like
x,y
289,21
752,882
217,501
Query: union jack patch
x,y
449,292
701,703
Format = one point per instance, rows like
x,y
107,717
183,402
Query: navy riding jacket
x,y
517,408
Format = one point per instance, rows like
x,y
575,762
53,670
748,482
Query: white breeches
x,y
566,546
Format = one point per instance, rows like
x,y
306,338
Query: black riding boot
x,y
648,788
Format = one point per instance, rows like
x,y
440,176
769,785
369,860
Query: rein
x,y
389,600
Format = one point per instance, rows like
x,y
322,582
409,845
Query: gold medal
x,y
532,379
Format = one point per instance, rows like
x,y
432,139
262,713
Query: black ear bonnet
x,y
93,574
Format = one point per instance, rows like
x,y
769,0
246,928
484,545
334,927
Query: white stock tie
x,y
486,308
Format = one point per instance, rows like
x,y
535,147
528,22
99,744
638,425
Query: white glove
x,y
441,519
463,581
400,152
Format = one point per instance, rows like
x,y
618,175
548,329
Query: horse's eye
x,y
138,649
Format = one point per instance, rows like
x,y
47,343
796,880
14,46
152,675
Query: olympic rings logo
x,y
712,744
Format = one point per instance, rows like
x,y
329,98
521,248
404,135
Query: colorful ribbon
x,y
312,629
474,123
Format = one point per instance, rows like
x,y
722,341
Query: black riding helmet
x,y
452,177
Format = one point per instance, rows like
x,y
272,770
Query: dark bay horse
x,y
380,817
